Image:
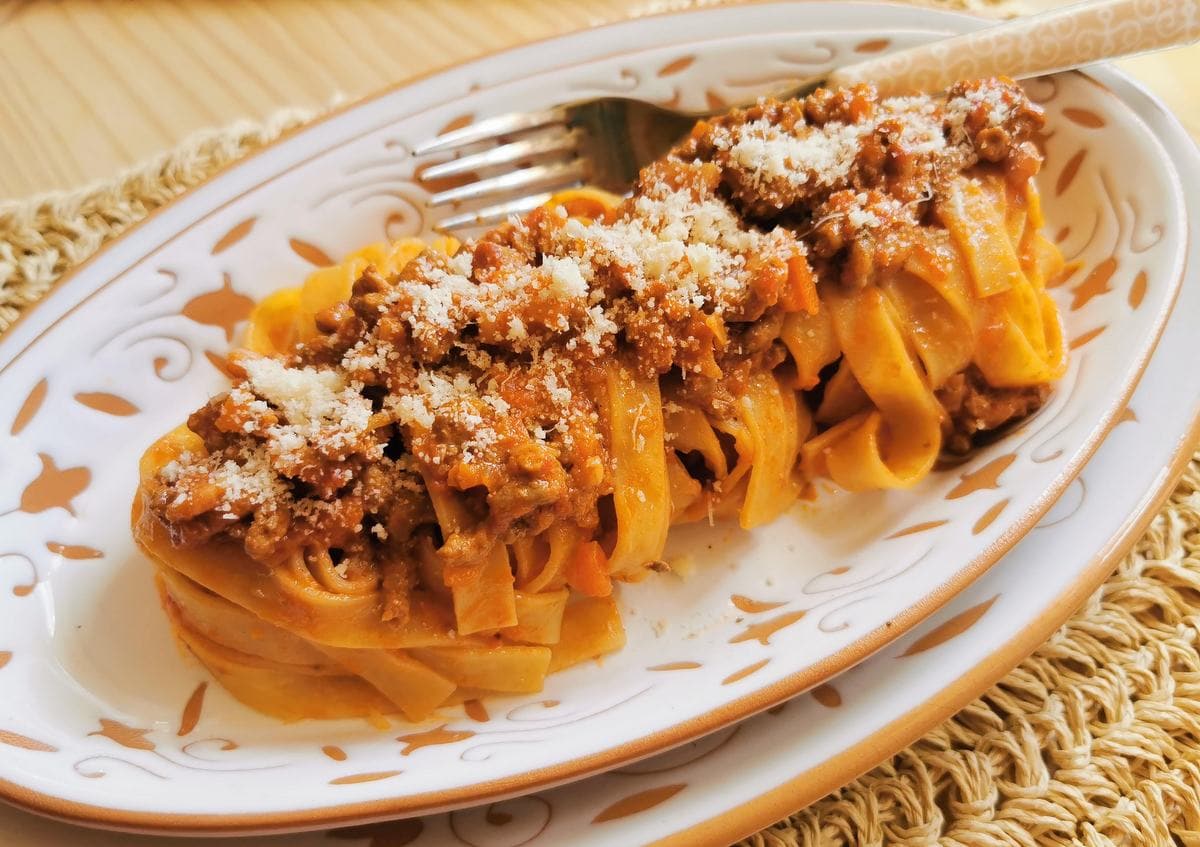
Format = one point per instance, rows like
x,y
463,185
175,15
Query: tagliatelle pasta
x,y
437,459
973,293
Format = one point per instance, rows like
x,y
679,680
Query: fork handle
x,y
1052,41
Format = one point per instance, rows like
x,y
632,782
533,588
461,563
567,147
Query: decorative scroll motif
x,y
752,607
33,402
334,752
915,528
639,802
827,696
224,308
762,632
738,676
356,778
511,823
310,253
985,520
235,234
24,742
192,710
127,736
54,488
74,551
956,626
983,479
109,404
431,737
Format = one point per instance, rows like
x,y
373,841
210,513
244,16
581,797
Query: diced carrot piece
x,y
801,292
587,570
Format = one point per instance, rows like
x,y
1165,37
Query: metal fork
x,y
516,161
601,142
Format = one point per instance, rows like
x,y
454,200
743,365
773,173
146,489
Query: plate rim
x,y
728,713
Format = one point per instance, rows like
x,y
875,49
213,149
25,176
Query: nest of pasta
x,y
436,459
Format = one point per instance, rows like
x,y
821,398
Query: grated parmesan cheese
x,y
566,280
252,481
822,155
320,408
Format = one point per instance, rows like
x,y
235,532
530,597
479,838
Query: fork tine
x,y
561,172
493,214
490,128
554,141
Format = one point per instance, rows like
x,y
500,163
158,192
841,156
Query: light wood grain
x,y
88,87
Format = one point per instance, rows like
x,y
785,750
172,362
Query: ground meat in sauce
x,y
482,373
973,406
851,140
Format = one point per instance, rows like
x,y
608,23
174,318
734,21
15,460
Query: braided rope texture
x,y
1093,740
45,236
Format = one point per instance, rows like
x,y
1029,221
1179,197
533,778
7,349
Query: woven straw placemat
x,y
1093,740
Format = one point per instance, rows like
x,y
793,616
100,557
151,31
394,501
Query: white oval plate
x,y
714,790
733,782
107,722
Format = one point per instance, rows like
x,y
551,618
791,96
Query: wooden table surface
x,y
88,87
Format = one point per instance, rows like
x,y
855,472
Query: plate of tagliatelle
x,y
399,536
